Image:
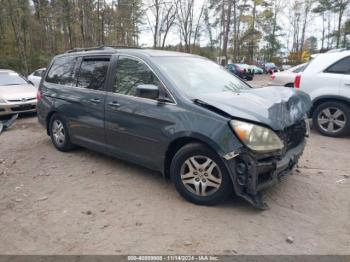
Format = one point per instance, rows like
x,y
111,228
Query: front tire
x,y
199,175
332,119
59,134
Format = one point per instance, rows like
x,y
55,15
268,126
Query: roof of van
x,y
111,50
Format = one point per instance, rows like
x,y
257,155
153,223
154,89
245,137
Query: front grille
x,y
293,135
23,108
21,100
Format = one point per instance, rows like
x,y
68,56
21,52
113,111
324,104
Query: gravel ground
x,y
87,203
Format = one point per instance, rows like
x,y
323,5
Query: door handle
x,y
95,100
347,84
114,104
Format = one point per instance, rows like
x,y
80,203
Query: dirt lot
x,y
87,203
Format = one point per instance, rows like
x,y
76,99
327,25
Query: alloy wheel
x,y
201,175
331,120
58,132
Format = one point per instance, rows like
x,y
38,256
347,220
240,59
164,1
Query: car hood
x,y
17,92
276,107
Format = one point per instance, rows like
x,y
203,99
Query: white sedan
x,y
17,95
286,78
36,76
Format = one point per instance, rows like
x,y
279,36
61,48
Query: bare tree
x,y
163,15
185,20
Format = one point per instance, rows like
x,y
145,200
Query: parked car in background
x,y
241,70
17,95
270,68
256,70
36,76
180,114
327,80
286,78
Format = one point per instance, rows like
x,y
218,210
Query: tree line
x,y
251,31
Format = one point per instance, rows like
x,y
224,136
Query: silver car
x,y
16,94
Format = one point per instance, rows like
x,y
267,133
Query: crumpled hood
x,y
274,106
14,92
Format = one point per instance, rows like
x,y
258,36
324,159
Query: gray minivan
x,y
180,114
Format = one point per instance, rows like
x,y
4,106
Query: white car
x,y
36,76
17,95
327,80
287,77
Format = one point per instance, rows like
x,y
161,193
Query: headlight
x,y
257,138
2,101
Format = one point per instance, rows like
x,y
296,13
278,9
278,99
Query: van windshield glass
x,y
195,75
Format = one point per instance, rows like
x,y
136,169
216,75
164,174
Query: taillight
x,y
39,95
272,77
297,81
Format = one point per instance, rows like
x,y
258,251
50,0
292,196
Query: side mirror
x,y
147,91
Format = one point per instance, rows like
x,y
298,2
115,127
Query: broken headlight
x,y
257,138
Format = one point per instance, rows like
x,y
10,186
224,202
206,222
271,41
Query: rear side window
x,y
62,71
92,73
340,67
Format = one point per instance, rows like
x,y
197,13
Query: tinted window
x,y
92,74
340,67
62,71
130,74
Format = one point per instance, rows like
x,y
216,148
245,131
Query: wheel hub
x,y
331,120
201,175
58,132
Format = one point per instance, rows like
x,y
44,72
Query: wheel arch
x,y
181,141
324,99
47,121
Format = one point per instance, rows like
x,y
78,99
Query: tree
x,y
310,45
340,7
323,7
189,25
271,29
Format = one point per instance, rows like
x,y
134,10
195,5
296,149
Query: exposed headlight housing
x,y
257,138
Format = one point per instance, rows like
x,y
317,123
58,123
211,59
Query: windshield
x,y
8,79
194,75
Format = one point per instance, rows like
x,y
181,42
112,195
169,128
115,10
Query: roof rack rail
x,y
102,47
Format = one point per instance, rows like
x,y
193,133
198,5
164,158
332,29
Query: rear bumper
x,y
16,108
251,175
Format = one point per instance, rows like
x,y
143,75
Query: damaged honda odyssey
x,y
183,115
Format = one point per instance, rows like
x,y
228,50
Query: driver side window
x,y
131,73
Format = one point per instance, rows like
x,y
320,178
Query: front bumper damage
x,y
252,173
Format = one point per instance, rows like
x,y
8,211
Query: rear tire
x,y
59,133
200,176
332,119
